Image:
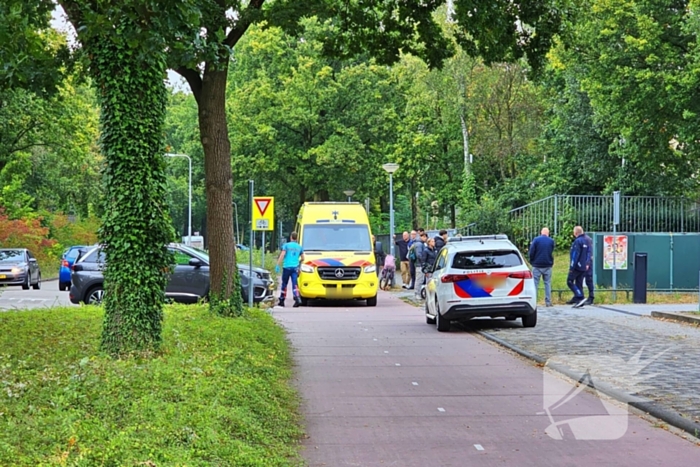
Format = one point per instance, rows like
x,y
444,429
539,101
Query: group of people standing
x,y
417,253
541,256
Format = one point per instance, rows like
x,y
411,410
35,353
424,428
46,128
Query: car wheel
x,y
28,281
372,301
63,286
443,325
95,295
530,321
37,286
423,292
428,319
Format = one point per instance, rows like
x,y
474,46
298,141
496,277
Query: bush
x,y
217,394
27,233
46,237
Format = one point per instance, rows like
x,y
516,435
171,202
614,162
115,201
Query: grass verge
x,y
218,394
561,270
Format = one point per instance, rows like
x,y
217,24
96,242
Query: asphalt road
x,y
14,298
383,388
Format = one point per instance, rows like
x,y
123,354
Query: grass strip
x,y
218,393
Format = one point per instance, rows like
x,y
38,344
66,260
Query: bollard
x,y
639,294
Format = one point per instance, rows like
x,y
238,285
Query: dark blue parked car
x,y
67,260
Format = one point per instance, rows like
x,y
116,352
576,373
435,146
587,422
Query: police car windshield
x,y
486,259
336,237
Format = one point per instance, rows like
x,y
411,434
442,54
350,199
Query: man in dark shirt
x,y
580,255
402,246
589,272
542,259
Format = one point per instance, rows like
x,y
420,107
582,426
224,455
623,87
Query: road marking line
x,y
386,351
440,409
479,447
398,364
375,340
414,383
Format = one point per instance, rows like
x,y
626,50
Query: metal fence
x,y
641,214
595,214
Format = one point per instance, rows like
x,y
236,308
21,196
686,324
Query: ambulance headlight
x,y
371,268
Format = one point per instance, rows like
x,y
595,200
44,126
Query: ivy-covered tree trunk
x,y
136,225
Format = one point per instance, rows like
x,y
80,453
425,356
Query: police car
x,y
480,276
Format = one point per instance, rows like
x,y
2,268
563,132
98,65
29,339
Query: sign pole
x,y
262,261
616,220
252,242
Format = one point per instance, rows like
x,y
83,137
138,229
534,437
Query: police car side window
x,y
441,260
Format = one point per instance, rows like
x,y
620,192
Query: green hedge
x,y
218,393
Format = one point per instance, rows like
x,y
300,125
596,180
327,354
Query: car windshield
x,y
11,256
336,237
486,259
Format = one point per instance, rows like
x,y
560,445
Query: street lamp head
x,y
390,167
349,192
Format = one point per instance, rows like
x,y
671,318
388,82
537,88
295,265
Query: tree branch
x,y
193,79
236,33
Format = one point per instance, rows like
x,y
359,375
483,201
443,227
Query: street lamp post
x,y
189,203
391,167
349,194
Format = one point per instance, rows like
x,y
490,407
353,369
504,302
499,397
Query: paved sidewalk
x,y
383,388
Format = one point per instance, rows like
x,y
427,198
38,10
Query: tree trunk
x,y
225,298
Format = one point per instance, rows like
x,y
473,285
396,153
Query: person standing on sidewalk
x,y
419,247
541,256
292,254
379,255
412,262
402,245
577,267
589,272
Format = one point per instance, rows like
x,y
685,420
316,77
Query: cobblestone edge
x,y
648,407
676,317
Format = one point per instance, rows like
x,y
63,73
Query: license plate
x,y
3,276
335,292
490,280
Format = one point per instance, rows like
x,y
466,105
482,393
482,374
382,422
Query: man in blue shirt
x,y
580,255
292,254
541,256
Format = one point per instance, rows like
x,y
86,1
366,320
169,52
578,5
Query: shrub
x,y
47,236
27,233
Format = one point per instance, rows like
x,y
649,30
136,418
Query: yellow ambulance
x,y
339,260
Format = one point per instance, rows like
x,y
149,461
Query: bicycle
x,y
387,278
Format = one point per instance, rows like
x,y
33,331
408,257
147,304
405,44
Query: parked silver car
x,y
19,267
188,282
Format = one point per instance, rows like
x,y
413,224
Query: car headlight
x,y
17,270
370,268
244,272
307,268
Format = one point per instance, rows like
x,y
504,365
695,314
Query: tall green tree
x,y
127,65
308,127
33,56
639,76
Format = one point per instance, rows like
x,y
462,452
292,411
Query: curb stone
x,y
649,407
680,317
